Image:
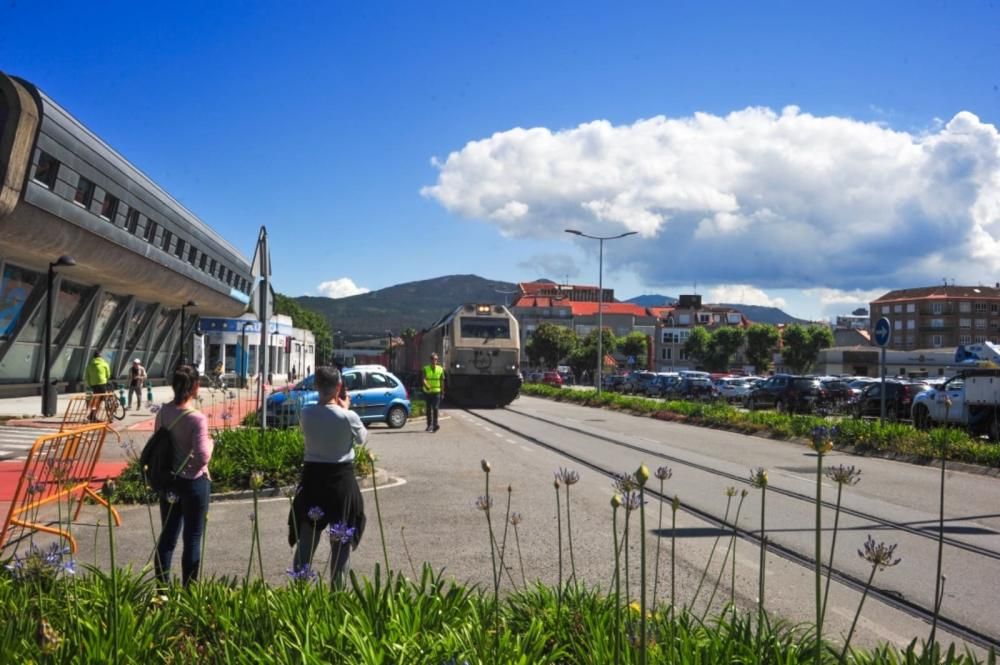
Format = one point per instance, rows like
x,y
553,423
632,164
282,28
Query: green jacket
x,y
98,372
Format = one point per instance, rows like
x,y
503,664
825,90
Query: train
x,y
479,346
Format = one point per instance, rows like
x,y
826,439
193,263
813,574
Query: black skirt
x,y
333,488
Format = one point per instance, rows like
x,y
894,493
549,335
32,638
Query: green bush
x,y
862,435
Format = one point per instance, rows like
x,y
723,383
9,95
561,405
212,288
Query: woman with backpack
x,y
185,504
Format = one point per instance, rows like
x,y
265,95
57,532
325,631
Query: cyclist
x,y
98,378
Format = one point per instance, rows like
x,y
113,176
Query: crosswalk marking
x,y
15,442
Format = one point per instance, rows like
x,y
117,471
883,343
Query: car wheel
x,y
396,417
921,417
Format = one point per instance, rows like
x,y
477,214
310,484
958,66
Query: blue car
x,y
376,395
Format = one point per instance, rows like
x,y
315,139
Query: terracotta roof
x,y
940,292
540,301
590,308
660,311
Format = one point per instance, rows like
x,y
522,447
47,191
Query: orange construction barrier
x,y
80,407
59,467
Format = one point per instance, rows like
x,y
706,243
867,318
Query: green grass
x,y
868,436
388,619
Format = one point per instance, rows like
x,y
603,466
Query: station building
x,y
142,267
235,342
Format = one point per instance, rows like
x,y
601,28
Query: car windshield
x,y
805,384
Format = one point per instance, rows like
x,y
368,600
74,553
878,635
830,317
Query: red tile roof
x,y
939,292
540,301
590,308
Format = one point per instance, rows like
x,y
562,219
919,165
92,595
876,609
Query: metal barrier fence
x,y
80,407
60,467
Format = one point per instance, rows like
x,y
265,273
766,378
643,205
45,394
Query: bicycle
x,y
113,407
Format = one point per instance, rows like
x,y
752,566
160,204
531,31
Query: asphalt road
x,y
431,503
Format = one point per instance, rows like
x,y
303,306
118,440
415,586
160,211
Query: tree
x,y
762,341
634,344
584,357
726,341
549,344
699,346
308,320
801,345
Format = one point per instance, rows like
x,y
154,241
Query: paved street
x,y
437,479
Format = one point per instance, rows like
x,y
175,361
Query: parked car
x,y
661,383
787,392
552,378
612,382
636,382
377,395
839,391
534,377
692,387
898,399
733,389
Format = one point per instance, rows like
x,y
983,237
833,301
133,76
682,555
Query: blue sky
x,y
780,153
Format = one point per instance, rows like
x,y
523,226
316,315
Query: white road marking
x,y
527,449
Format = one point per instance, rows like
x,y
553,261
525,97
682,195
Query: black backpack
x,y
157,458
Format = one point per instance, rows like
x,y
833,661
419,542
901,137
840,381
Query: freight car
x,y
479,346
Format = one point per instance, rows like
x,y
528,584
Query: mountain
x,y
410,305
652,301
761,314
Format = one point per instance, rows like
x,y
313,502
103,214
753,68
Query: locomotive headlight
x,y
482,309
458,365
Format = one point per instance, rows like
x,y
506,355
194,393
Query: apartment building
x,y
940,316
676,323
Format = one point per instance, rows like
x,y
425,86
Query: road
x,y
429,510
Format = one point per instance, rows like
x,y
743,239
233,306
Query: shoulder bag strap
x,y
183,413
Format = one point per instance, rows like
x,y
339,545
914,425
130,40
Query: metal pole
x,y
48,408
182,358
882,400
265,331
600,316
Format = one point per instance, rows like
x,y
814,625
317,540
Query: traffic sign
x,y
883,332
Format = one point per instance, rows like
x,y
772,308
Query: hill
x,y
410,305
756,313
652,300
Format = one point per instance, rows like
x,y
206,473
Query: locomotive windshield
x,y
485,328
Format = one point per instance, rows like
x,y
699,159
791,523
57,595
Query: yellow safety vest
x,y
433,377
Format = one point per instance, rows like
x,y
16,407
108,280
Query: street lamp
x,y
600,295
48,401
183,358
338,341
246,351
388,335
506,294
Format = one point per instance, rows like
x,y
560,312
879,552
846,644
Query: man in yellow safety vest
x,y
433,391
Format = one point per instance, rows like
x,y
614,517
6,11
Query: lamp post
x,y
246,352
183,358
48,401
388,341
338,341
506,295
600,295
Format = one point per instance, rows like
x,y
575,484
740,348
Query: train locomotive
x,y
479,346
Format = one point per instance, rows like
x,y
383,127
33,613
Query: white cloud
x,y
834,301
556,267
775,199
340,288
742,294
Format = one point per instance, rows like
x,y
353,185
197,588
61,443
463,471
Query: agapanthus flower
x,y
341,533
567,476
172,498
303,574
821,440
730,491
758,477
632,501
256,480
484,503
515,518
36,487
485,465
675,503
616,501
878,554
108,489
624,482
844,474
227,415
251,517
664,472
315,513
642,474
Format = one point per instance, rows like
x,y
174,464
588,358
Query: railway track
x,y
956,628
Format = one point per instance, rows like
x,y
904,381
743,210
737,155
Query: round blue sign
x,y
883,331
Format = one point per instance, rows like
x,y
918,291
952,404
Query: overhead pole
x,y
262,267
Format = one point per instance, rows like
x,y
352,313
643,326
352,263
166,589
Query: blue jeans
x,y
187,513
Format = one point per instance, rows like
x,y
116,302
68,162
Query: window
x,y
665,353
980,339
994,308
132,222
684,319
994,324
897,324
965,323
911,307
981,324
109,208
936,307
965,306
897,309
167,237
193,255
179,249
204,262
485,327
965,339
937,323
885,309
936,341
981,308
911,324
84,192
150,232
47,170
211,269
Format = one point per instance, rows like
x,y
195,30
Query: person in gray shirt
x,y
328,494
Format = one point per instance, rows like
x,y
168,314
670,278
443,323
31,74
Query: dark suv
x,y
692,387
636,382
787,392
898,399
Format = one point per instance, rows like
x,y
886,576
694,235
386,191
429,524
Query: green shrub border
x,y
859,436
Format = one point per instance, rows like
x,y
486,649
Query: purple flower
x,y
632,501
303,574
172,498
315,513
341,533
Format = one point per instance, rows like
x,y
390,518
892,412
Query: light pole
x,y
506,294
246,352
338,341
48,401
600,295
183,359
388,341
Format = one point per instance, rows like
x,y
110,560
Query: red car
x,y
552,379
